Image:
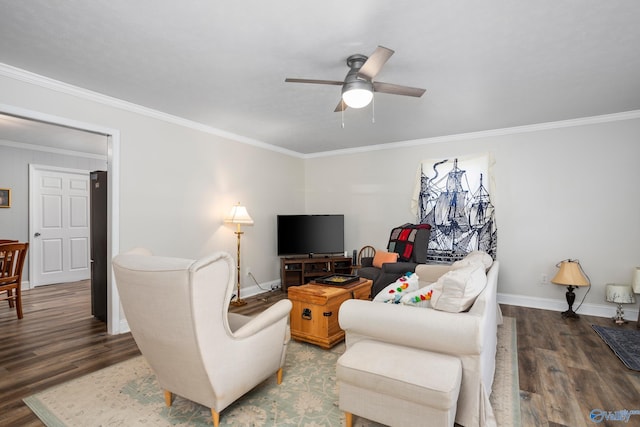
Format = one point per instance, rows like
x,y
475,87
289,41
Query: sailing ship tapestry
x,y
452,196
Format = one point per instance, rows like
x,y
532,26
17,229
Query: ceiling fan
x,y
358,86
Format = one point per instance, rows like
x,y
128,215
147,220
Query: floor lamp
x,y
238,215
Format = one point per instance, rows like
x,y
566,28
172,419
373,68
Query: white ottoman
x,y
398,386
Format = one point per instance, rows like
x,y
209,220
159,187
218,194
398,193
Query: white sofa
x,y
469,335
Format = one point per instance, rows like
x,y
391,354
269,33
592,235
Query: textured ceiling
x,y
486,65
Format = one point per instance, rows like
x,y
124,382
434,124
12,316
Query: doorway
x,y
59,225
114,325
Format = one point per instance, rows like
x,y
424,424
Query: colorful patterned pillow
x,y
396,290
418,298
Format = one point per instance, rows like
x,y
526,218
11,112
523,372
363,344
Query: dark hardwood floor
x,y
565,370
57,340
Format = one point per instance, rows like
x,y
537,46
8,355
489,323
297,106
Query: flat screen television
x,y
310,234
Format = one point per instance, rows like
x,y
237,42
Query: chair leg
x,y
19,303
216,418
348,419
279,376
168,397
10,298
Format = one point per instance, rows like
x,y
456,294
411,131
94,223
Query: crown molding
x,y
626,115
48,83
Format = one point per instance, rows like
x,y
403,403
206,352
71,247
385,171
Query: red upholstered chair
x,y
410,242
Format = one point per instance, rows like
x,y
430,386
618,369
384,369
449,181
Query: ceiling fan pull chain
x,y
373,109
342,114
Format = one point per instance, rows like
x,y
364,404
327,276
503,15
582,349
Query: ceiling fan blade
x,y
374,64
341,106
398,89
320,82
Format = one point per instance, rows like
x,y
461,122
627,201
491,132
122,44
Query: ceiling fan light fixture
x,y
357,94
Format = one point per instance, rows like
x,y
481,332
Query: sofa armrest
x,y
419,327
366,262
430,273
398,267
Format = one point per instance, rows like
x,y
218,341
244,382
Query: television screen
x,y
310,234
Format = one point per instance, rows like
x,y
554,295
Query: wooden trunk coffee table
x,y
314,316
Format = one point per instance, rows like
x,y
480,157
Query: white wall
x,y
560,193
177,181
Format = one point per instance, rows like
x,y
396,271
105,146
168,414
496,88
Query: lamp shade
x,y
620,294
636,280
357,94
570,274
239,215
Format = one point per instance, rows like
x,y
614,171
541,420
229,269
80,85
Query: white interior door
x,y
59,221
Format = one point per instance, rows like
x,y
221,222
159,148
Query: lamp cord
x,y
264,299
256,282
588,289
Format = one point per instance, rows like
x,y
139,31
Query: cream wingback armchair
x,y
177,310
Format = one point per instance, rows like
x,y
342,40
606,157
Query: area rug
x,y
625,343
127,394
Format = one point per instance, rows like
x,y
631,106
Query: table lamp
x,y
636,280
572,276
238,215
636,288
620,294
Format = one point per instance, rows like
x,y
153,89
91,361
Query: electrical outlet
x,y
544,279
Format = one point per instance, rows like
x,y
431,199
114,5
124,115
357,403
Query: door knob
x,y
36,235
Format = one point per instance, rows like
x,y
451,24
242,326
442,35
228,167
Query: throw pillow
x,y
382,257
457,290
419,297
394,291
475,256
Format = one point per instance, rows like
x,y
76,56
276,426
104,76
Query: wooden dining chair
x,y
2,241
13,256
365,252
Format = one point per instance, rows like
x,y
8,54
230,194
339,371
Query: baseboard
x,y
124,326
249,291
598,310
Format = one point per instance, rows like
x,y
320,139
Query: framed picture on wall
x,y
5,198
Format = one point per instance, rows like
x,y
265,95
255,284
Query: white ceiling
x,y
485,64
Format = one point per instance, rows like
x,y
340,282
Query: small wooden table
x,y
314,316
